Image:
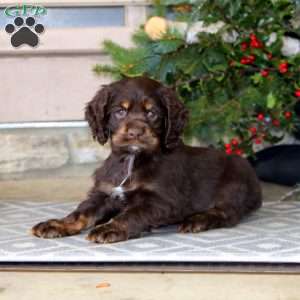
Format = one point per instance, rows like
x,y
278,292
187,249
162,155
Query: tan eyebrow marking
x,y
147,105
125,104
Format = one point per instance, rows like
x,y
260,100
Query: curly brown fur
x,y
171,183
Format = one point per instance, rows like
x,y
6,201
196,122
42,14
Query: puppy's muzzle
x,y
135,135
135,130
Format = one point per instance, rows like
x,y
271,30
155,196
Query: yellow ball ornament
x,y
156,27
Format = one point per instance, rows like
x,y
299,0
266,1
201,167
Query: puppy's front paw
x,y
194,225
107,233
49,229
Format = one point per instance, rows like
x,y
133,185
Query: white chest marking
x,y
118,192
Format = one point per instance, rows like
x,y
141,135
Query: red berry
x,y
260,117
283,70
283,67
244,61
287,114
297,93
244,46
256,44
227,146
234,142
253,130
276,122
228,151
270,56
253,37
251,58
257,141
238,151
264,73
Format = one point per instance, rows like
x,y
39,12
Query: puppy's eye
x,y
120,113
151,115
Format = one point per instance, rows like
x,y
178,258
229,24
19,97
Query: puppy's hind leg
x,y
231,204
212,218
238,194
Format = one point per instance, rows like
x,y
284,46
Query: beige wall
x,y
54,81
47,88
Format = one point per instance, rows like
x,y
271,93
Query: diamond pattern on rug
x,y
272,234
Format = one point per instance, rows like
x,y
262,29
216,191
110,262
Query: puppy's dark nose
x,y
135,132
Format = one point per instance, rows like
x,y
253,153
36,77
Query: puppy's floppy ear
x,y
177,116
95,115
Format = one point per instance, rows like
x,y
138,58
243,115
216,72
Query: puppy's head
x,y
137,114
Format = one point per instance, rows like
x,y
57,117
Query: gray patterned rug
x,y
270,235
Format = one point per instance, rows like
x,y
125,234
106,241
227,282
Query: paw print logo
x,y
24,33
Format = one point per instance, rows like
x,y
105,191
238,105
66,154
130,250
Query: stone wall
x,y
28,151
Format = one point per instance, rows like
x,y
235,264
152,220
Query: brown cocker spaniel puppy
x,y
151,178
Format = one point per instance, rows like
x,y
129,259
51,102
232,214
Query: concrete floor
x,y
131,286
147,286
